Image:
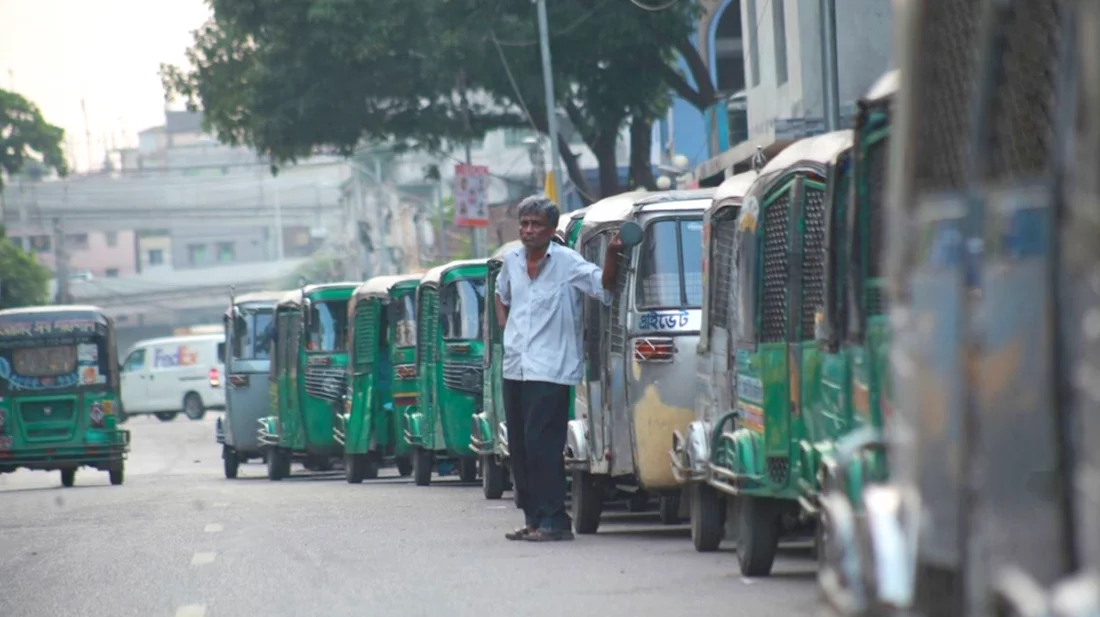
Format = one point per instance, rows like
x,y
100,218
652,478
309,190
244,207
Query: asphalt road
x,y
179,540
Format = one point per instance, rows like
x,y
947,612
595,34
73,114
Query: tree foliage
x,y
289,77
27,141
23,281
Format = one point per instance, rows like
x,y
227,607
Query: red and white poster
x,y
471,195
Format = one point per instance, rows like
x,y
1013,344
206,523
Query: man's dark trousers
x,y
537,413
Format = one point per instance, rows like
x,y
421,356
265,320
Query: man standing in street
x,y
539,304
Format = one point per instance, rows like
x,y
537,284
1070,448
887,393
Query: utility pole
x,y
830,89
548,85
475,232
61,259
87,134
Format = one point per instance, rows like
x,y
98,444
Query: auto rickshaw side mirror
x,y
631,234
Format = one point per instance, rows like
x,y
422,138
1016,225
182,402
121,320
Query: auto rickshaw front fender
x,y
481,435
577,455
414,422
892,520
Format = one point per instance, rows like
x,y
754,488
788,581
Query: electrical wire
x,y
654,8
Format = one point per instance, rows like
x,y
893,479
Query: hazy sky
x,y
106,51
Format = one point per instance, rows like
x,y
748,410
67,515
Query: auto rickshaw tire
x,y
758,536
669,509
275,464
230,462
467,469
404,466
371,469
587,503
117,474
708,514
166,416
324,464
638,502
193,415
422,467
355,468
492,477
68,477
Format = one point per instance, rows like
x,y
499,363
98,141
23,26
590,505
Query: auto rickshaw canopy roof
x,y
884,88
264,297
569,217
435,275
508,247
294,298
817,151
381,286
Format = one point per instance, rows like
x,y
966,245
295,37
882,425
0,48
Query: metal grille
x,y
366,334
778,469
875,165
813,260
948,55
722,237
424,340
1023,102
463,377
326,382
617,340
776,269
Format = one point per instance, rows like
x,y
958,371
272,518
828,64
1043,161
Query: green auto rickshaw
x,y
308,374
382,382
450,302
59,392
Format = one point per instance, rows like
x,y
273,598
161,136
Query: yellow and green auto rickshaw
x,y
450,303
308,374
59,392
382,383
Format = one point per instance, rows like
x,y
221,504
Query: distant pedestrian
x,y
539,304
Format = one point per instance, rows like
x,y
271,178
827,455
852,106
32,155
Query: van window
x,y
670,267
135,361
328,326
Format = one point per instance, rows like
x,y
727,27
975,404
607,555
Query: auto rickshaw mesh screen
x,y
874,174
724,233
813,261
1023,103
776,269
946,81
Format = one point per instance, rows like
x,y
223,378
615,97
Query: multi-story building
x,y
107,254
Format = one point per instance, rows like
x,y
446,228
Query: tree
x,y
289,78
23,281
27,141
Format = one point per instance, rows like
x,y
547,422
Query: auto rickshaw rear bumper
x,y
98,447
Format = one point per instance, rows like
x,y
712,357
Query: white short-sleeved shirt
x,y
543,337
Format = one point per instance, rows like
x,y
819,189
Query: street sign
x,y
471,190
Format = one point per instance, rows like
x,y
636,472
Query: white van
x,y
164,376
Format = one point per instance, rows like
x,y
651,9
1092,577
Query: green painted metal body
x,y
755,449
449,358
382,382
309,372
52,417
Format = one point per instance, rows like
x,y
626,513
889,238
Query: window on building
x,y
754,47
112,238
156,257
41,244
112,273
513,138
779,31
227,251
196,254
729,50
76,242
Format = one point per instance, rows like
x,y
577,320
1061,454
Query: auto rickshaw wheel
x,y
467,469
587,503
669,509
230,462
68,477
758,535
355,468
638,501
275,457
371,469
117,474
404,466
708,513
492,477
422,467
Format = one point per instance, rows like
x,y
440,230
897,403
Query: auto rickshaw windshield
x,y
461,310
405,315
328,326
252,334
50,364
670,269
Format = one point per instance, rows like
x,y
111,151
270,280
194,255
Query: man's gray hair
x,y
540,205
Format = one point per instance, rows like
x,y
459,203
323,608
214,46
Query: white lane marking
x,y
201,559
191,610
213,528
220,504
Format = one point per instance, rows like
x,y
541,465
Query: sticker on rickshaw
x,y
752,417
750,210
750,389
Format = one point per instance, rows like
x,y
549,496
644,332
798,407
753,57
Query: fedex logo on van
x,y
182,357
